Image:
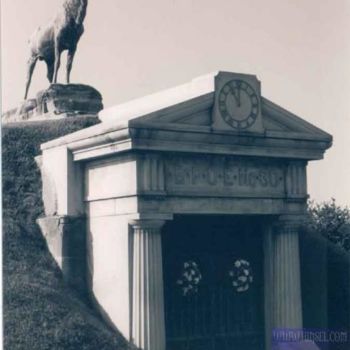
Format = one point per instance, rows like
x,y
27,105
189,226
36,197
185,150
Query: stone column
x,y
287,305
148,322
268,283
283,304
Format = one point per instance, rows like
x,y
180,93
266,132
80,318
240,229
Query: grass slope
x,y
40,312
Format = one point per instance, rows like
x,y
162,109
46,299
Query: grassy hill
x,y
40,311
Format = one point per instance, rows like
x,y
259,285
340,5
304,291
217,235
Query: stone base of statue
x,y
56,102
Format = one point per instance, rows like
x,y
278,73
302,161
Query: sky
x,y
299,49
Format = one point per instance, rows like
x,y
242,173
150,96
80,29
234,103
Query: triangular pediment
x,y
192,105
197,112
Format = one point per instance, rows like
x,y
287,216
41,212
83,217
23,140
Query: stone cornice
x,y
153,139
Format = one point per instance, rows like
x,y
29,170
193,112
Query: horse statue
x,y
62,33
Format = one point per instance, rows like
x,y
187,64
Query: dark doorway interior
x,y
213,314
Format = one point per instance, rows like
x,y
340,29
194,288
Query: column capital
x,y
289,223
147,224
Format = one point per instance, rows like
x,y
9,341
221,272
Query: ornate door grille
x,y
217,316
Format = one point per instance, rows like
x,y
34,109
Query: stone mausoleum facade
x,y
153,213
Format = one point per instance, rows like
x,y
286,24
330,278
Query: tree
x,y
331,221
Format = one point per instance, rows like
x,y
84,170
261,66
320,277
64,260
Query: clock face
x,y
238,104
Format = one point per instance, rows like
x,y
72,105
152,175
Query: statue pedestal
x,y
56,102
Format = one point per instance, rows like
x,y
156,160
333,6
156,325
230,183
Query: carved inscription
x,y
226,174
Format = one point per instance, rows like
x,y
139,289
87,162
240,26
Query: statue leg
x,y
57,60
30,69
70,58
50,69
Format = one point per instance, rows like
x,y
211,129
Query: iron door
x,y
214,314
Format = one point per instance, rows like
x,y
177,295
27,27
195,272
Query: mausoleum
x,y
179,214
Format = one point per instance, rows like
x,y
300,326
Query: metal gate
x,y
213,314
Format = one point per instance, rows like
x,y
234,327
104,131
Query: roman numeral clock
x,y
237,103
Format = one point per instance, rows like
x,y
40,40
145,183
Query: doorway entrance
x,y
213,283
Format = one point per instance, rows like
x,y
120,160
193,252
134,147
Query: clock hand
x,y
236,92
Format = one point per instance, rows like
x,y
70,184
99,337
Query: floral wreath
x,y
190,278
241,275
